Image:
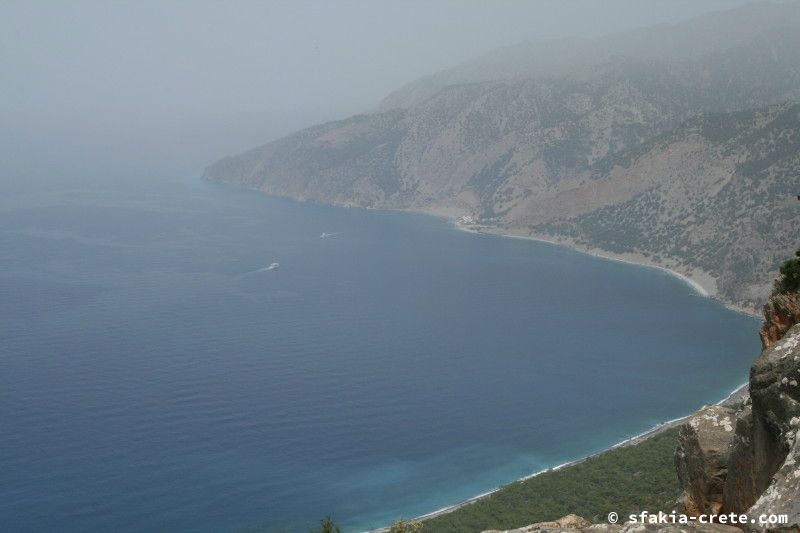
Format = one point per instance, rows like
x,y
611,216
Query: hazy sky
x,y
272,65
229,57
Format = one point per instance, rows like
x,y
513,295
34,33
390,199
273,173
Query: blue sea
x,y
156,375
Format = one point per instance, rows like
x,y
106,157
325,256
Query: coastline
x,y
736,395
705,287
703,283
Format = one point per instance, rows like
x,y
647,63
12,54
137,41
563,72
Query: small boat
x,y
273,266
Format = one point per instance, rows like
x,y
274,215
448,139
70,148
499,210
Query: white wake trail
x,y
272,266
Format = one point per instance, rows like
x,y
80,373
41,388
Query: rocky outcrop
x,y
576,524
754,468
781,312
567,523
701,459
764,466
744,481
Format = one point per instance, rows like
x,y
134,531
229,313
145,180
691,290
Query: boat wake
x,y
272,266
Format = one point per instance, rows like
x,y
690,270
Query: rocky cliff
x,y
781,312
746,460
689,156
701,459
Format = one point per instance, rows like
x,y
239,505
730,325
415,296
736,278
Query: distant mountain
x,y
677,141
538,59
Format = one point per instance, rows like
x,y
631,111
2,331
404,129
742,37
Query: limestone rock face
x,y
783,494
775,390
775,393
756,468
570,522
781,312
740,484
763,472
701,458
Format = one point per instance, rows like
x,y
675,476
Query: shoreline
x,y
739,393
632,259
705,288
733,397
452,216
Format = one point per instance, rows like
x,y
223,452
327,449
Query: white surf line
x,y
630,440
734,392
697,287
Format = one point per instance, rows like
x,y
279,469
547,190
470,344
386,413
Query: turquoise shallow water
x,y
153,377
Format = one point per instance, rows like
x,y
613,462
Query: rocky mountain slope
x,y
716,193
663,149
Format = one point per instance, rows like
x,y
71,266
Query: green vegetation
x,y
790,275
624,480
401,526
486,182
740,234
326,526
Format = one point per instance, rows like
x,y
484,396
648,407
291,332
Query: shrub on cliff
x,y
326,526
790,275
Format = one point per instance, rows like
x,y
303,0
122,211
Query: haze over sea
x,y
155,377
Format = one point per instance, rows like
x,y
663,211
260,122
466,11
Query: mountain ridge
x,y
538,155
565,57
